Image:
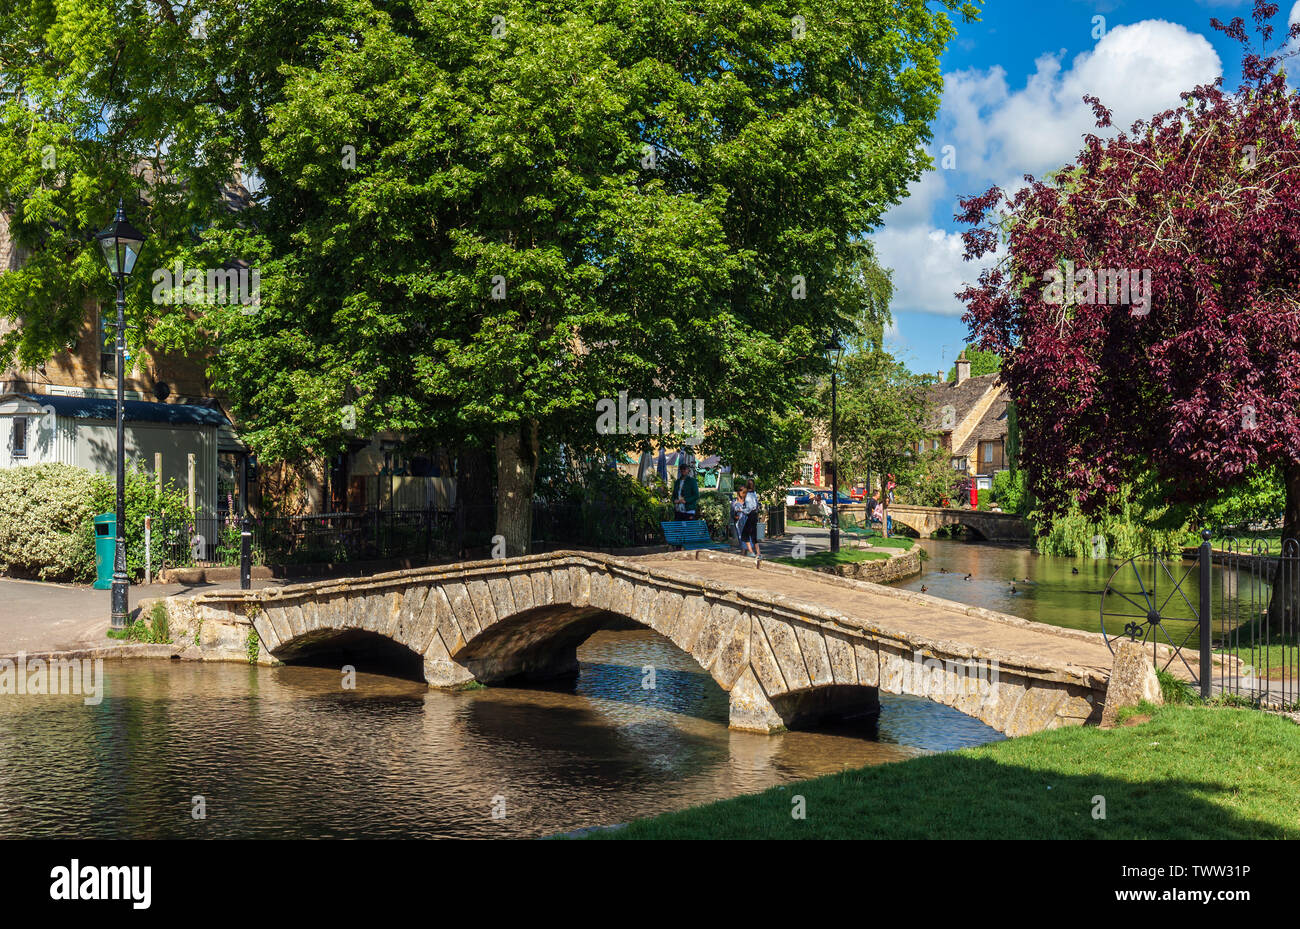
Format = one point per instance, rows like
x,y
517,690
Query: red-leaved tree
x,y
1196,375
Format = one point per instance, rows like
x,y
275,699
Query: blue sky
x,y
1011,106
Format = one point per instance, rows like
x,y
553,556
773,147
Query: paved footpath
x,y
904,612
40,617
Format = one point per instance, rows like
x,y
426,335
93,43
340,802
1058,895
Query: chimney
x,y
963,368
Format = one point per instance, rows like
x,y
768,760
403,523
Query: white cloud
x,y
922,196
1001,134
928,267
1136,70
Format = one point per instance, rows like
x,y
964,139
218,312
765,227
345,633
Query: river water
x,y
1070,591
288,752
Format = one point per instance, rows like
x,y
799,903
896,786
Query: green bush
x,y
1072,535
46,528
1010,490
715,510
1259,497
983,499
142,499
1138,520
45,513
155,630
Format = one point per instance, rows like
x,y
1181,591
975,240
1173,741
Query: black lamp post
x,y
836,348
121,243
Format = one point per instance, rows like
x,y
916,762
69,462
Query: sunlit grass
x,y
1187,773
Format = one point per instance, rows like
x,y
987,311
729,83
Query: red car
x,y
857,493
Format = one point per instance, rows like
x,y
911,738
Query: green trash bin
x,y
105,550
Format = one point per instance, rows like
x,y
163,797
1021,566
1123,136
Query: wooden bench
x,y
689,534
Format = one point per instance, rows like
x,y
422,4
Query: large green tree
x,y
101,101
473,220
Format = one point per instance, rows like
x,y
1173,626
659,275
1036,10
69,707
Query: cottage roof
x,y
133,411
992,426
961,397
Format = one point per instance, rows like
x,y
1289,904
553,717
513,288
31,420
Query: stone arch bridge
x,y
995,527
788,645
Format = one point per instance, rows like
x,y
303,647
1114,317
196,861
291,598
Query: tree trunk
x,y
517,451
1284,604
884,504
314,475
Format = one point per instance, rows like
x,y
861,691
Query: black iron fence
x,y
379,534
1255,621
775,521
314,539
1226,617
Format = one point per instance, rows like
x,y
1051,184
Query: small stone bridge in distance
x,y
788,645
995,527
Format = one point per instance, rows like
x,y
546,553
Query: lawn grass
x,y
827,559
898,541
1269,542
1274,655
1187,773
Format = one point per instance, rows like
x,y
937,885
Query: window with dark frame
x,y
107,346
20,437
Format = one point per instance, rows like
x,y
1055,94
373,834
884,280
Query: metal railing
x,y
379,534
1229,621
1255,621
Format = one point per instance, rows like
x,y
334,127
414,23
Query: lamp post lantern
x,y
121,243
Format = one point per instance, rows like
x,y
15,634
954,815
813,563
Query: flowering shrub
x,y
44,512
46,530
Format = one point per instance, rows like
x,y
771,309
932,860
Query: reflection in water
x,y
286,752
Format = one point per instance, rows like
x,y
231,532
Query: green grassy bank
x,y
826,559
1186,773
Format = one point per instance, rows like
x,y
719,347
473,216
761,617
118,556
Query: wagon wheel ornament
x,y
1140,607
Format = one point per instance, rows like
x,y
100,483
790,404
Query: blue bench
x,y
689,534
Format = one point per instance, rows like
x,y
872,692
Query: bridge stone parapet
x,y
783,658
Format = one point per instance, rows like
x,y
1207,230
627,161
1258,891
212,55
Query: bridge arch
x,y
782,661
359,647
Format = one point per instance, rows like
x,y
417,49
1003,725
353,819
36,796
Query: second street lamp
x,y
836,348
121,243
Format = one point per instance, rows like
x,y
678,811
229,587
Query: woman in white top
x,y
749,507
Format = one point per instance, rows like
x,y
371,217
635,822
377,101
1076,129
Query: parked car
x,y
844,498
857,493
798,496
